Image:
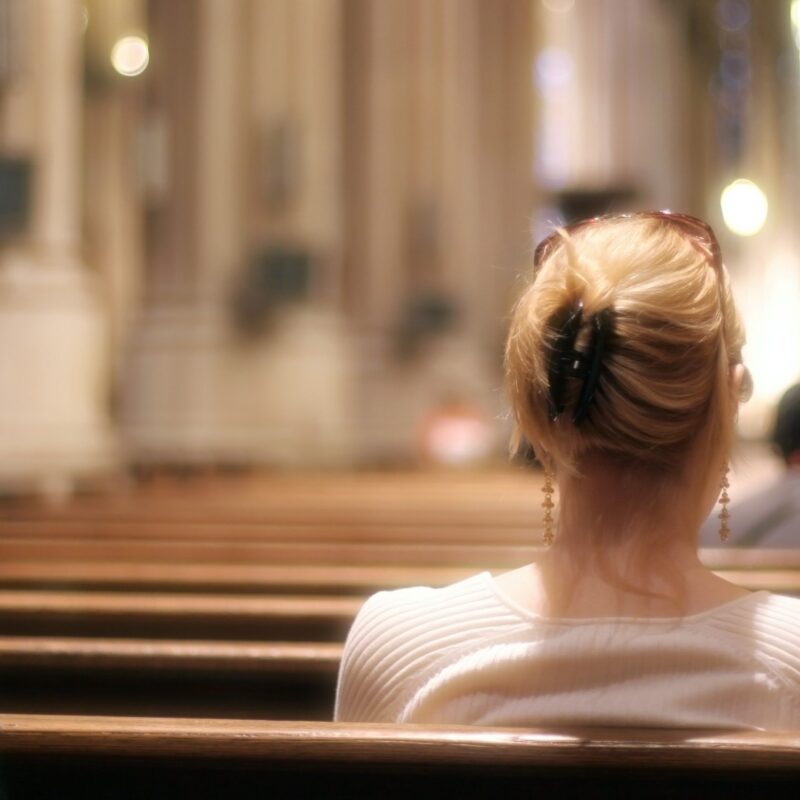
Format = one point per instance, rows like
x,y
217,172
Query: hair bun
x,y
625,329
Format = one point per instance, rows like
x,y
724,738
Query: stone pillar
x,y
222,152
54,425
170,404
115,186
199,389
439,189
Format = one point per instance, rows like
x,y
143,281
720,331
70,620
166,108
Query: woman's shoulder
x,y
398,636
771,612
765,623
777,613
420,606
414,605
756,611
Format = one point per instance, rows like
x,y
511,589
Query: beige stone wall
x,y
54,354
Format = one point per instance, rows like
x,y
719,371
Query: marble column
x,y
54,383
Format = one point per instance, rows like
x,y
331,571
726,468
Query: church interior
x,y
257,265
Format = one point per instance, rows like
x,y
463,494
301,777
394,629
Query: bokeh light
x,y
744,207
130,55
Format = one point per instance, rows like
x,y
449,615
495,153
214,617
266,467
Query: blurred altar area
x,y
249,236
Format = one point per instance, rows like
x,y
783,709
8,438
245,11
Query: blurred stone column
x,y
485,190
54,419
115,186
171,392
222,157
262,85
439,197
295,385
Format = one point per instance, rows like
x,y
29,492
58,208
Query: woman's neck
x,y
627,543
625,510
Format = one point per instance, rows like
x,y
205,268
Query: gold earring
x,y
724,514
547,506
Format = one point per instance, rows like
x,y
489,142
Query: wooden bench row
x,y
301,578
378,553
173,615
227,578
268,553
267,680
399,531
150,655
100,757
377,499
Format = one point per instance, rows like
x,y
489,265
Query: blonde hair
x,y
664,382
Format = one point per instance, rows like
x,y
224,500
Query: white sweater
x,y
467,654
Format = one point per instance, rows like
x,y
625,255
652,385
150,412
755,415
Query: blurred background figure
x,y
771,516
455,434
274,234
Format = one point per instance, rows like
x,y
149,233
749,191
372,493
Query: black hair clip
x,y
563,356
567,362
601,326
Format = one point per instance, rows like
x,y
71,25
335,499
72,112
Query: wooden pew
x,y
377,553
279,680
421,529
285,578
411,498
160,615
267,553
156,654
227,578
304,569
104,757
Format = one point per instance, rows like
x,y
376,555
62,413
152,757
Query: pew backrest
x,y
418,758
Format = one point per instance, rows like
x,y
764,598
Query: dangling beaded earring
x,y
548,505
724,514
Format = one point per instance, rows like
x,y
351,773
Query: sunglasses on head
x,y
700,234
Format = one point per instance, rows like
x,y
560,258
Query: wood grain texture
x,y
176,615
264,553
229,577
151,604
317,578
439,528
222,551
328,743
153,654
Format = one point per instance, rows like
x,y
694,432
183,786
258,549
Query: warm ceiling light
x,y
130,55
744,207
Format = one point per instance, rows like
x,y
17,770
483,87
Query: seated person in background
x,y
623,364
771,517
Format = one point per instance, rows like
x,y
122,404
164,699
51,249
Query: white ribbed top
x,y
467,654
